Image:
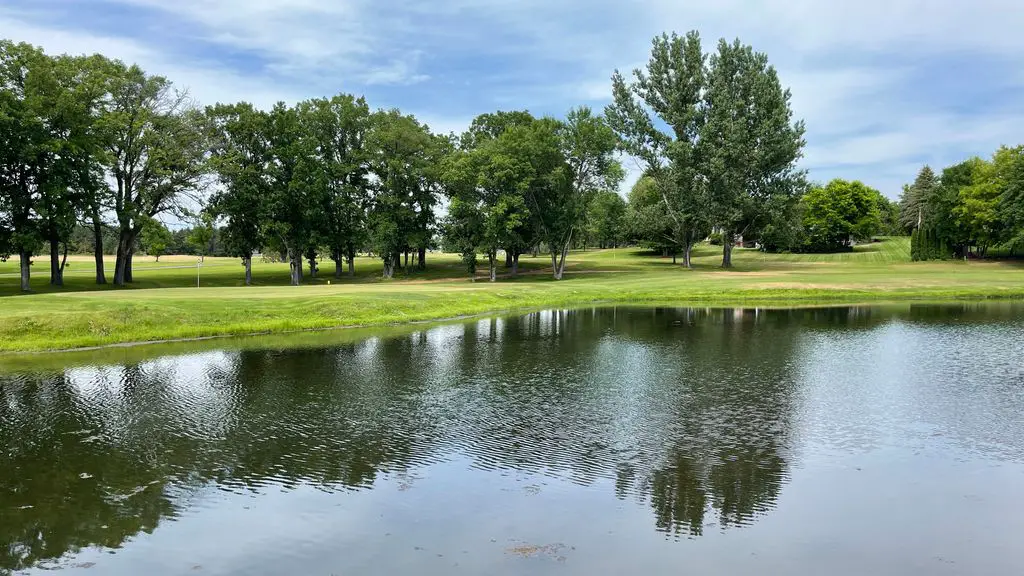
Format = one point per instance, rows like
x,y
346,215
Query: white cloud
x,y
851,66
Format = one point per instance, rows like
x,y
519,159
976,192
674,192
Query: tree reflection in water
x,y
689,411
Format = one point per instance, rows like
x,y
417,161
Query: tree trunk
x,y
295,266
351,263
406,259
312,266
664,252
492,257
674,257
422,258
26,263
247,261
508,258
122,265
561,266
56,268
97,234
338,266
536,250
389,265
727,250
63,263
129,275
515,264
687,251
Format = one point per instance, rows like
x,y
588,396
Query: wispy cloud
x,y
884,85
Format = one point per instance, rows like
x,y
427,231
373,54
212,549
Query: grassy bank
x,y
165,304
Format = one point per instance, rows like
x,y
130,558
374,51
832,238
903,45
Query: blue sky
x,y
883,85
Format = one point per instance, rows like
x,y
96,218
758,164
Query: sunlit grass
x,y
165,304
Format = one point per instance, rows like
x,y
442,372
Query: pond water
x,y
598,441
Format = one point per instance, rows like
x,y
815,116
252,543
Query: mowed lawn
x,y
164,302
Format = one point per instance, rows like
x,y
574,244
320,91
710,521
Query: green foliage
x,y
201,236
155,238
978,210
606,219
730,158
405,157
915,198
587,144
1011,205
240,157
647,218
157,147
839,213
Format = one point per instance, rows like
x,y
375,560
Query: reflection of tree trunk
x,y
25,259
422,259
97,235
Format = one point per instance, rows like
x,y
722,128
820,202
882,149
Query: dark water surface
x,y
609,441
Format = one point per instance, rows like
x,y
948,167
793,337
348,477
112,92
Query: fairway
x,y
164,302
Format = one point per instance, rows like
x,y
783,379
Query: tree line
x,y
92,145
93,141
968,209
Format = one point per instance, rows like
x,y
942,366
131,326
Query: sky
x,y
884,86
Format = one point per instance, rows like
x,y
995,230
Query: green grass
x,y
165,304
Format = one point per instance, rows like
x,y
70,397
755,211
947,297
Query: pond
x,y
854,440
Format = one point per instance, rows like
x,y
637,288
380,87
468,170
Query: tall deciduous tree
x,y
489,181
67,91
47,111
156,151
588,145
672,88
240,144
749,143
25,151
289,204
337,129
404,158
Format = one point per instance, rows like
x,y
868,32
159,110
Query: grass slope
x,y
165,304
